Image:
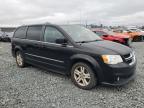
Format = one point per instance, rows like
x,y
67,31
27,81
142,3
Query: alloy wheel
x,y
82,76
19,59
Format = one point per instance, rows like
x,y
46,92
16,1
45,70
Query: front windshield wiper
x,y
89,41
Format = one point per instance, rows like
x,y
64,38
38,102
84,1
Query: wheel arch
x,y
89,60
17,48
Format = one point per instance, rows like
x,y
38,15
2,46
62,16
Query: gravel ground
x,y
31,87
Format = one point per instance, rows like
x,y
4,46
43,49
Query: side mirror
x,y
62,41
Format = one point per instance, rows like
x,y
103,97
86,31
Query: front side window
x,y
34,33
52,34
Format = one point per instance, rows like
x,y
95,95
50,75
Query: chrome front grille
x,y
130,58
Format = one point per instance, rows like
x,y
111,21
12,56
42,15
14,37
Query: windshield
x,y
79,33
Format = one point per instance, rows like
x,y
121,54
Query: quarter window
x,y
52,34
34,33
20,33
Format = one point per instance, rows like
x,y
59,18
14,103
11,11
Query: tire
x,y
116,41
20,59
83,76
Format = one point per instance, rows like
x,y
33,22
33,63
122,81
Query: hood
x,y
122,35
106,47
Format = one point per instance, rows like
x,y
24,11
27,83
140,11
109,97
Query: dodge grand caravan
x,y
75,51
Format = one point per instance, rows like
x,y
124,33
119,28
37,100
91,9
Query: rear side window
x,y
20,33
34,33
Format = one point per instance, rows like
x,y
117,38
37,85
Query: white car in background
x,y
10,35
1,33
135,29
6,36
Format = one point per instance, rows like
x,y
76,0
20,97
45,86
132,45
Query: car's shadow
x,y
100,87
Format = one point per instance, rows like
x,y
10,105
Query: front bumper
x,y
119,75
121,82
138,38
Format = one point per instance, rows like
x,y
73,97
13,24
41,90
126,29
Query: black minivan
x,y
75,51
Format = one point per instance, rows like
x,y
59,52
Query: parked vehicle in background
x,y
6,36
75,51
136,30
1,36
136,35
115,37
141,34
9,35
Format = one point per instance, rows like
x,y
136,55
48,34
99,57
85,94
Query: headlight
x,y
112,59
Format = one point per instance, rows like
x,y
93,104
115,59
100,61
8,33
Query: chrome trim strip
x,y
46,42
129,56
48,63
44,58
133,60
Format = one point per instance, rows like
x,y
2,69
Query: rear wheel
x,y
20,59
83,76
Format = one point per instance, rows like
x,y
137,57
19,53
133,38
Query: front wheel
x,y
83,76
20,59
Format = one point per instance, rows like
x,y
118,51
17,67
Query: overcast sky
x,y
109,12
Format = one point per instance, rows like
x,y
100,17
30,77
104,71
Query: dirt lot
x,y
31,87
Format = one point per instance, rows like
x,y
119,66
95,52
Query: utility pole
x,y
80,16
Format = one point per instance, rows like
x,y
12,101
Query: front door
x,y
55,56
